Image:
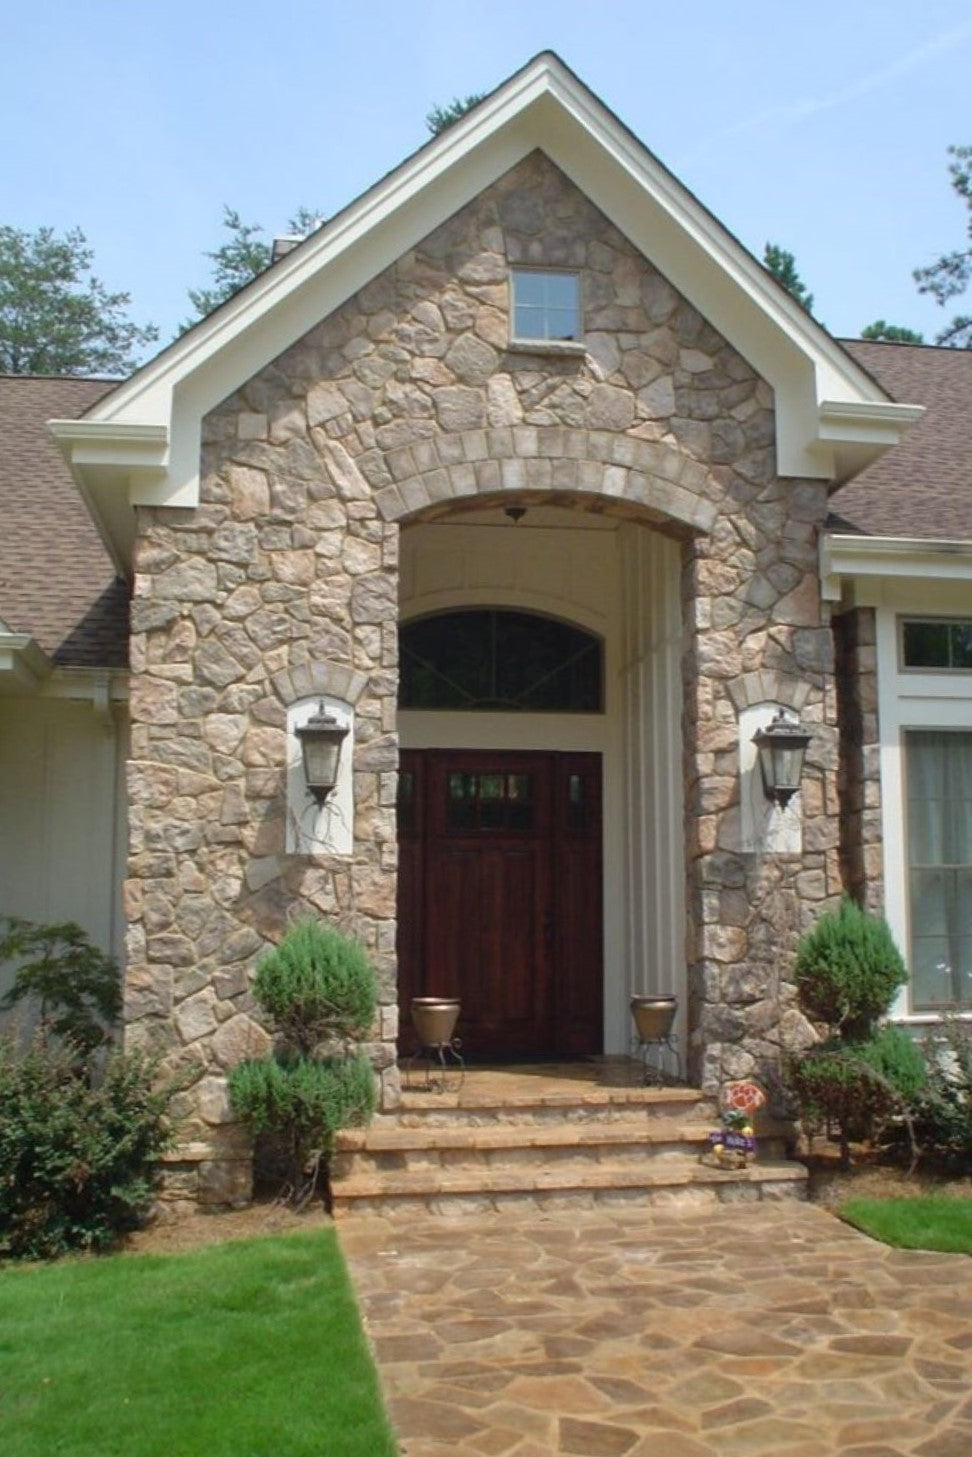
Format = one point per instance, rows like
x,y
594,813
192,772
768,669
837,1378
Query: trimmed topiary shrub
x,y
78,1157
304,1102
859,1088
896,1057
318,988
848,970
317,984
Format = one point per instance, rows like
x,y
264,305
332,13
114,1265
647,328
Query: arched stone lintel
x,y
768,686
519,458
329,679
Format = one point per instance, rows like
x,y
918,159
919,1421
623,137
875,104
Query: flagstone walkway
x,y
643,1332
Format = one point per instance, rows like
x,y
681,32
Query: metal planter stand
x,y
436,1065
654,1042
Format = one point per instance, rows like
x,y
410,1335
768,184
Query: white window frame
x,y
904,618
911,698
537,342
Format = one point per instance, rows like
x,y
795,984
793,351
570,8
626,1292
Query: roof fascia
x,y
846,559
23,664
115,464
824,426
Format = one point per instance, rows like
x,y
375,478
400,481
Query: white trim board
x,y
140,445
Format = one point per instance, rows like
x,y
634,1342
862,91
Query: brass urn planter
x,y
434,1019
437,1065
654,1018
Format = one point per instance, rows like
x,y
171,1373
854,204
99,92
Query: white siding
x,y
652,708
61,816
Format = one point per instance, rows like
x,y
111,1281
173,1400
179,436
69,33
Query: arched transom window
x,y
490,659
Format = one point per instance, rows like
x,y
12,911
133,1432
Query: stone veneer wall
x,y
405,402
861,841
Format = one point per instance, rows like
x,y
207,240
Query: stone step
x,y
395,1148
680,1180
550,1106
392,1137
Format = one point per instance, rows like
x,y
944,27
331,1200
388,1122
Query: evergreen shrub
x,y
848,970
318,988
79,1154
316,984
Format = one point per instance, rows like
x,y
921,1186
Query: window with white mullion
x,y
546,306
939,840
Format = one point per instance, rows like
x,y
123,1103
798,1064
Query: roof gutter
x,y
845,557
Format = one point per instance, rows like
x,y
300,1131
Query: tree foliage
x,y
442,117
951,274
783,267
237,261
74,987
892,333
56,317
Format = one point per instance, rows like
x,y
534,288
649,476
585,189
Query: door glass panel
x,y
490,802
576,803
461,807
519,789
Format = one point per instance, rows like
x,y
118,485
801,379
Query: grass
x,y
250,1348
930,1222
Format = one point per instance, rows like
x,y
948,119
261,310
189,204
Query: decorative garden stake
x,y
733,1145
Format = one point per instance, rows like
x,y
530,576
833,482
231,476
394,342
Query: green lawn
x,y
251,1349
927,1223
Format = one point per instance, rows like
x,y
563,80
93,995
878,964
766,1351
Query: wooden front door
x,y
500,898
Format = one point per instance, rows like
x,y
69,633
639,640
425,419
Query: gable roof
x,y
923,488
141,446
58,586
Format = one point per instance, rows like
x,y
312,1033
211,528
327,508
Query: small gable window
x,y
939,644
546,305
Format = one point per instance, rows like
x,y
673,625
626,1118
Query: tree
x,y
952,273
892,333
237,261
56,317
441,117
782,265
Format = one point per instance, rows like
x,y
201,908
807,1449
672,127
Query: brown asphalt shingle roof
x,y
923,487
57,581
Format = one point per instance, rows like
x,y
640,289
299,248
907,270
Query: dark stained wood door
x,y
500,898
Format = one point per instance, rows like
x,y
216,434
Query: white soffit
x,y
141,444
23,665
849,559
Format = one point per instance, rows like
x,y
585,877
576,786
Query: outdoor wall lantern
x,y
320,740
782,746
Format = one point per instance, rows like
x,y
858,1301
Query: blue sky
x,y
822,127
